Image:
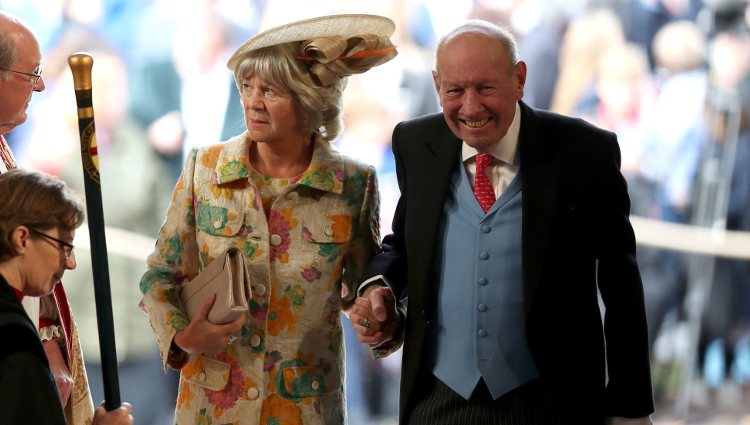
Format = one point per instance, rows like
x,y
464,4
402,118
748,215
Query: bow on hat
x,y
337,57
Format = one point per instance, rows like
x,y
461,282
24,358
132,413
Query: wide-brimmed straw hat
x,y
343,44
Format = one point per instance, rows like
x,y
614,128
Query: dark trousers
x,y
530,404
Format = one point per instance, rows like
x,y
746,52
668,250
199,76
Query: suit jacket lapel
x,y
438,163
540,185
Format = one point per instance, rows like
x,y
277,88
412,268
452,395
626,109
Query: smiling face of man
x,y
478,88
16,87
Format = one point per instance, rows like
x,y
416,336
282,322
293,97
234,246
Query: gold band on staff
x,y
86,112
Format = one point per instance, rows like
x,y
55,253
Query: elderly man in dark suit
x,y
510,219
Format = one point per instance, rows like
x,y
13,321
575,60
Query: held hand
x,y
383,302
202,336
374,316
60,371
119,416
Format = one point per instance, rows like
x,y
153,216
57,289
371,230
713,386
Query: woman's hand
x,y
202,336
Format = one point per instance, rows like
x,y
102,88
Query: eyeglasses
x,y
65,247
35,76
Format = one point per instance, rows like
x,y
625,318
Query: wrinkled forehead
x,y
468,48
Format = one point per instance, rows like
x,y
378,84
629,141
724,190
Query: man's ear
x,y
520,76
436,81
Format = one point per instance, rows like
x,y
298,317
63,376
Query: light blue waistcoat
x,y
480,311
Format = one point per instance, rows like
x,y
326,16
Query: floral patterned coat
x,y
305,261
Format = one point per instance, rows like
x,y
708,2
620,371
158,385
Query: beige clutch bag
x,y
226,276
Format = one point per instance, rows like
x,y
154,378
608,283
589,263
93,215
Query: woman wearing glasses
x,y
38,218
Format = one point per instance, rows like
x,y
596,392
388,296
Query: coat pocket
x,y
328,228
296,379
218,221
213,374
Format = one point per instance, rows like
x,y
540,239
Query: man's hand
x,y
202,336
374,316
60,370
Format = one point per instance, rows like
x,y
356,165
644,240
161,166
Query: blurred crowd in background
x,y
670,77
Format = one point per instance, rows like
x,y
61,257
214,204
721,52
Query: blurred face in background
x,y
621,76
16,88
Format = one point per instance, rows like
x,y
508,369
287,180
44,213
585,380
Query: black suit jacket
x,y
575,235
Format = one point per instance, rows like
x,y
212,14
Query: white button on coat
x,y
260,289
255,340
275,240
252,393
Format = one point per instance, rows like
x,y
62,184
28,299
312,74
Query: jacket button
x,y
275,240
260,289
252,393
255,340
315,385
482,333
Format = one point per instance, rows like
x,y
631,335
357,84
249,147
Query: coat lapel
x,y
437,163
541,166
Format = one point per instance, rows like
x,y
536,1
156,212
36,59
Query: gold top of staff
x,y
81,64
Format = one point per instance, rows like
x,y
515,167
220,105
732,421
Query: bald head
x,y
12,30
480,28
20,61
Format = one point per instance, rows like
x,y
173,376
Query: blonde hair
x,y
679,46
583,44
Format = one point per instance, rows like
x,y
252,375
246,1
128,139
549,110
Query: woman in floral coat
x,y
304,216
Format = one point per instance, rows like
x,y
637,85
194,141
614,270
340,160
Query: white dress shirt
x,y
505,161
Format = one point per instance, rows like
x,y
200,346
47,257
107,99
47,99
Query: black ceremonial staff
x,y
81,64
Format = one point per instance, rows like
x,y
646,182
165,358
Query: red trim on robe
x,y
65,319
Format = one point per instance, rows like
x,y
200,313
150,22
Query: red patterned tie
x,y
483,189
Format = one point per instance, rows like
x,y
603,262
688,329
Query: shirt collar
x,y
325,172
505,149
